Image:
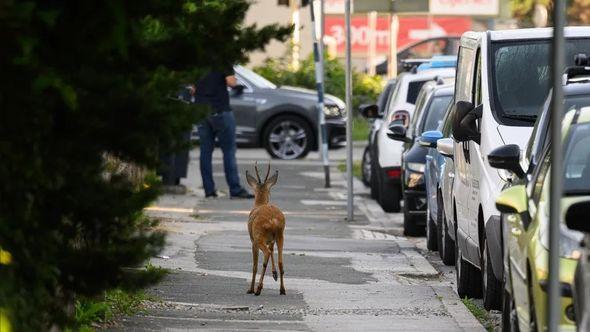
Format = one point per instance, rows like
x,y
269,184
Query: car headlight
x,y
569,241
416,167
333,111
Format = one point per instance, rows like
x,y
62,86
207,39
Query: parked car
x,y
427,48
525,211
491,110
387,153
438,177
431,105
375,118
517,309
283,120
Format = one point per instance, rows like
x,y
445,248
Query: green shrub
x,y
81,80
365,88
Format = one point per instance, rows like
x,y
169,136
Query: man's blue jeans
x,y
223,126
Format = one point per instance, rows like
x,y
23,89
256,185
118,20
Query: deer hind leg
x,y
254,268
267,255
272,261
280,256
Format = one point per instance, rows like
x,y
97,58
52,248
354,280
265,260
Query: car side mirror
x,y
397,132
445,146
576,217
429,138
507,157
238,89
370,111
464,125
512,200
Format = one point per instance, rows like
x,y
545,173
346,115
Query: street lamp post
x,y
556,185
349,201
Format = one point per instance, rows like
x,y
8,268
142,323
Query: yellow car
x,y
525,221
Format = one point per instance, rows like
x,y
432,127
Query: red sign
x,y
411,29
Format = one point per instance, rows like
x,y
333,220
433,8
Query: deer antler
x,y
267,172
256,169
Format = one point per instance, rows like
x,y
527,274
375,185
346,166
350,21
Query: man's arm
x,y
231,81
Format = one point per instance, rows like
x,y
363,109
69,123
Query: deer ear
x,y
251,180
272,180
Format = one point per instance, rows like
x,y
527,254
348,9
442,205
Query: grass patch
x,y
98,312
480,313
360,128
356,169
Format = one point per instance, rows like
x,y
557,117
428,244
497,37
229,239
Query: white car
x,y
503,78
400,106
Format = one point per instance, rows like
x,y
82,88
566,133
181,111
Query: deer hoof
x,y
250,291
275,276
283,292
258,291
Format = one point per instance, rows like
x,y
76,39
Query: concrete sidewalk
x,y
339,275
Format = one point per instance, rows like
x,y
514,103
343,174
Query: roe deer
x,y
266,226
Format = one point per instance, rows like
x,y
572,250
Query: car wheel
x,y
509,320
389,196
491,285
446,245
374,184
468,277
288,137
367,165
431,231
410,227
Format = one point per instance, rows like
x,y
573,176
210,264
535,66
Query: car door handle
x,y
516,231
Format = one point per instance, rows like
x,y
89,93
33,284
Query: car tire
x,y
288,137
468,277
509,320
490,285
366,166
374,184
431,232
389,196
410,227
446,245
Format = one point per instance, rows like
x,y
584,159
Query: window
x,y
477,90
539,178
464,75
413,90
577,161
434,114
429,48
521,76
445,126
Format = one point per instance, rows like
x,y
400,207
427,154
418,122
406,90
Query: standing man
x,y
212,90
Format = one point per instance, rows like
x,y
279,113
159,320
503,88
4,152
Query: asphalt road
x,y
358,275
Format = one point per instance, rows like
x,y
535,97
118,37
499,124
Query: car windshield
x,y
522,77
435,113
254,78
577,161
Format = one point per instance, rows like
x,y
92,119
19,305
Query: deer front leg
x,y
254,268
266,253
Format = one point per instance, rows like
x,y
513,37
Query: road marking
x,y
169,209
320,202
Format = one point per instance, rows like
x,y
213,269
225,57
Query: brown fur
x,y
266,226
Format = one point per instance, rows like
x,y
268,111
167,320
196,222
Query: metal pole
x,y
349,200
558,58
319,77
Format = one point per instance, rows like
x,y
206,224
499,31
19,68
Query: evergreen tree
x,y
81,80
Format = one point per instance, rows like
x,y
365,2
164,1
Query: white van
x,y
503,78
